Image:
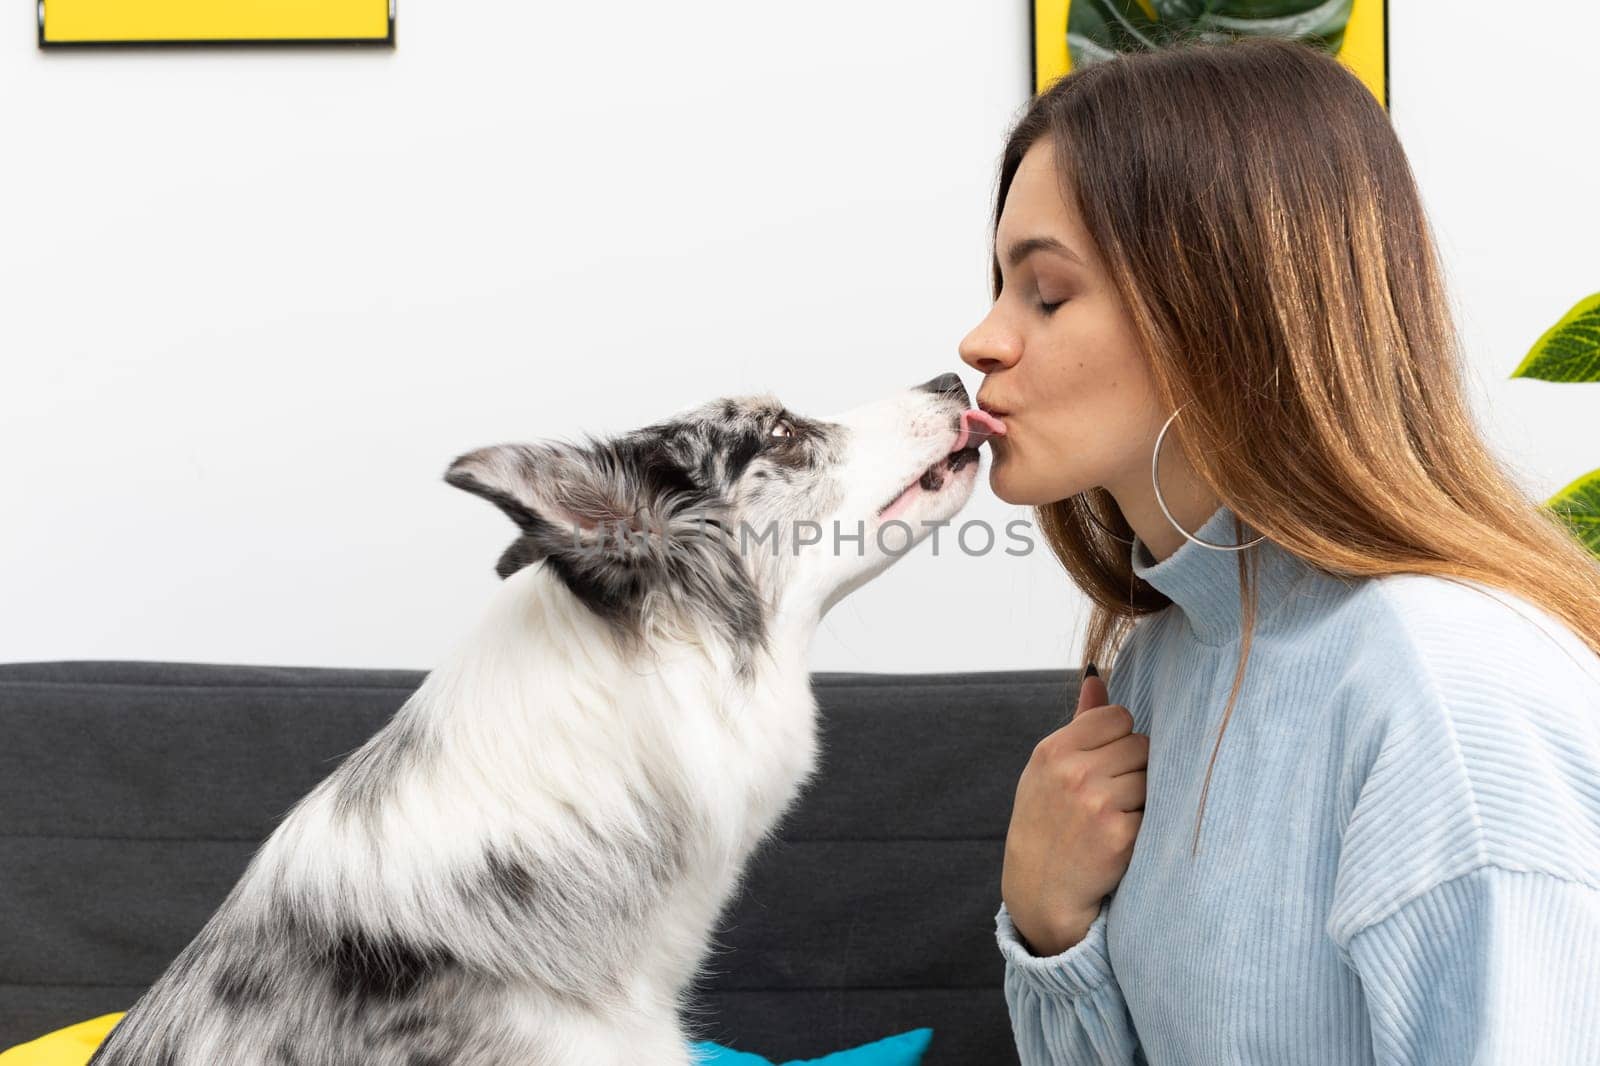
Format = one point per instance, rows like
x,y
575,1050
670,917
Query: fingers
x,y
1091,693
1094,726
1127,791
1124,755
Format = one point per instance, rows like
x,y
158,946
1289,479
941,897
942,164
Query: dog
x,y
526,864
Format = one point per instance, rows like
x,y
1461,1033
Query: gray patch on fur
x,y
367,778
588,912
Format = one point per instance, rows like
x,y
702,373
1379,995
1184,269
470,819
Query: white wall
x,y
253,302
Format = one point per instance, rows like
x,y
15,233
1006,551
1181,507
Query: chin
x,y
1007,490
1024,493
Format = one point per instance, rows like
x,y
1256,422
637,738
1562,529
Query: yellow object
x,y
1050,56
1363,51
1364,47
129,21
71,1046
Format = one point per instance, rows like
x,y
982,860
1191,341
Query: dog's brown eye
x,y
782,428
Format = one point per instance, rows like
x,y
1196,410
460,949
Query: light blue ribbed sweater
x,y
1400,856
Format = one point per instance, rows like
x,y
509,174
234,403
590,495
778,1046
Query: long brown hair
x,y
1261,223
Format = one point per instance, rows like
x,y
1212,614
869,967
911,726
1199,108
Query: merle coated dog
x,y
526,865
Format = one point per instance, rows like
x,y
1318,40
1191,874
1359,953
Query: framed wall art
x,y
1072,33
73,23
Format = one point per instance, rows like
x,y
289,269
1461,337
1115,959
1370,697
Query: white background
x,y
251,303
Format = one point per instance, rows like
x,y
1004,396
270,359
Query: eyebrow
x,y
1028,245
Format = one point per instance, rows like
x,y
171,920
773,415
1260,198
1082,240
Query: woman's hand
x,y
1073,823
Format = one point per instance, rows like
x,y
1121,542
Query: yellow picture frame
x,y
1365,49
67,23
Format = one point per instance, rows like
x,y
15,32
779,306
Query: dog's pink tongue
x,y
978,426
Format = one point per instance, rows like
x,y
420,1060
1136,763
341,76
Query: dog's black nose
x,y
948,384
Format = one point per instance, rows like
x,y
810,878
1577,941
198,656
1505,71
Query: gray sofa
x,y
133,793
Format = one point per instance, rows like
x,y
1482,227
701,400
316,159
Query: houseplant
x,y
1570,351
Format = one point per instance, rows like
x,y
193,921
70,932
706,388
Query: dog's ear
x,y
625,526
591,508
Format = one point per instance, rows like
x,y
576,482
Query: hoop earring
x,y
1155,461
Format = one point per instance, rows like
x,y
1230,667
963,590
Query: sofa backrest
x,y
132,794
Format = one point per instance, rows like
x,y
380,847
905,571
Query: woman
x,y
1221,347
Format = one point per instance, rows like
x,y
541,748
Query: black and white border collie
x,y
526,865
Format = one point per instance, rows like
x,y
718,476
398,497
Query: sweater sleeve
x,y
1495,966
1066,1009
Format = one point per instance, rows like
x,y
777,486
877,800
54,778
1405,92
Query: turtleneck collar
x,y
1204,582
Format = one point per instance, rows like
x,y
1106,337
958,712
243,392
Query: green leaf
x,y
1578,505
1098,29
1569,350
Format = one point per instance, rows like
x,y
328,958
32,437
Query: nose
x,y
992,345
946,384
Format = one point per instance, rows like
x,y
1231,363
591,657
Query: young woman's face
x,y
1060,361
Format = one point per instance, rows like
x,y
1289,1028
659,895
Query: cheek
x,y
1098,372
1104,375
1093,396
1105,343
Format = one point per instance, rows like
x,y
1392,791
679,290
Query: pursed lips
x,y
992,408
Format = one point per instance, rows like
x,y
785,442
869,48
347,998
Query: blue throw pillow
x,y
905,1049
